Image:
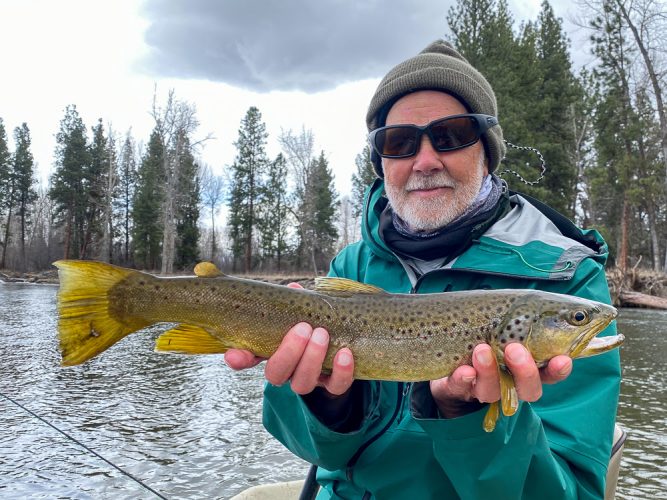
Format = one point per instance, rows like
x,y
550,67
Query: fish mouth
x,y
587,345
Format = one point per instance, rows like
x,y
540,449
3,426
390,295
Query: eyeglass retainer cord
x,y
543,166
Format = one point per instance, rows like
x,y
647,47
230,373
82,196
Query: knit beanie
x,y
439,67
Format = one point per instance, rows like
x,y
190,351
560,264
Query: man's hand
x,y
299,360
464,390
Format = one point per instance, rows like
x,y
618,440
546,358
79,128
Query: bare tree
x,y
213,190
175,123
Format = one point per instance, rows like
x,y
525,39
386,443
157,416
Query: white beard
x,y
434,213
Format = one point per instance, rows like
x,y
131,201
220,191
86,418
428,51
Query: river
x,y
189,427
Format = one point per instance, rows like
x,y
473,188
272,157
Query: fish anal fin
x,y
207,270
189,339
344,286
508,395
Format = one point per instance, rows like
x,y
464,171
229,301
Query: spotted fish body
x,y
404,337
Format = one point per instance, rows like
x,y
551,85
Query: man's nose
x,y
427,159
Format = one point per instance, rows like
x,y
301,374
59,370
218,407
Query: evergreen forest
x,y
150,203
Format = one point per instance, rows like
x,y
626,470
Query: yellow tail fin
x,y
85,326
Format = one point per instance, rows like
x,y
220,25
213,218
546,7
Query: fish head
x,y
550,324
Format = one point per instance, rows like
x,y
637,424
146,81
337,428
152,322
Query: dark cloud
x,y
268,45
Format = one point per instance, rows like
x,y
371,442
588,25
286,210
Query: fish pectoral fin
x,y
207,270
344,286
491,417
188,339
508,396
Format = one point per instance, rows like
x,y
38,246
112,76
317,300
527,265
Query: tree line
x,y
602,131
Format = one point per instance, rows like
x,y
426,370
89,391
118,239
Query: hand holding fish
x,y
463,391
399,337
299,360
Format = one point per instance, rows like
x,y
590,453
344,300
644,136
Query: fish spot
x,y
466,320
214,288
142,282
435,323
511,335
517,321
502,341
508,327
456,358
157,287
470,347
521,338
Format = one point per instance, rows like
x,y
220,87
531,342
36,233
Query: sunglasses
x,y
446,134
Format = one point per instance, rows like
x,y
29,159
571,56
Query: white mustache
x,y
416,183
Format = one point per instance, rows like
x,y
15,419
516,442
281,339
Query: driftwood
x,y
638,288
642,300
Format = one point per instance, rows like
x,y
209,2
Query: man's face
x,y
431,189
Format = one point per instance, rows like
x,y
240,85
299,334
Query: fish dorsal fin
x,y
207,270
189,339
344,286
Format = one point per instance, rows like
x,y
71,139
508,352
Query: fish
x,y
393,336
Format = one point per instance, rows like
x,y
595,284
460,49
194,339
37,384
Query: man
x,y
439,220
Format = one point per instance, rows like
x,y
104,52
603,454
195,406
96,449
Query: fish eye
x,y
579,318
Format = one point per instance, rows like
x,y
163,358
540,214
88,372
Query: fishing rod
x,y
73,439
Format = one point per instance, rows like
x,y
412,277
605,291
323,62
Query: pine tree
x,y
616,131
24,181
126,184
147,229
274,215
189,199
69,190
6,190
321,198
96,177
248,173
5,168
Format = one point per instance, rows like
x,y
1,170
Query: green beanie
x,y
439,67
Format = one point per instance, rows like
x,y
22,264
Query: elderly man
x,y
437,220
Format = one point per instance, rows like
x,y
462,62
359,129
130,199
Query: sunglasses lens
x,y
454,133
399,141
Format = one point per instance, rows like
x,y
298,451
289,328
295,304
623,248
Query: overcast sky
x,y
301,62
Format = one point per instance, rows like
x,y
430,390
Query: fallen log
x,y
635,299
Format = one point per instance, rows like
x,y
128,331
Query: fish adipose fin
x,y
85,325
188,339
344,286
207,270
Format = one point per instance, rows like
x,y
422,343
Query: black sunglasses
x,y
446,134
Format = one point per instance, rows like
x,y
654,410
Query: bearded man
x,y
437,220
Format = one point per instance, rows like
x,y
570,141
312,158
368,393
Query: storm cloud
x,y
265,45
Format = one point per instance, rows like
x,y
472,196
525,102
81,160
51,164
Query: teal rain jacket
x,y
555,448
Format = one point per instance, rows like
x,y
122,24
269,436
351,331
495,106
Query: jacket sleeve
x,y
557,447
302,429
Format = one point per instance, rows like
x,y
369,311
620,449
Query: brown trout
x,y
400,337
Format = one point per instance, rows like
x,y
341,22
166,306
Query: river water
x,y
189,427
